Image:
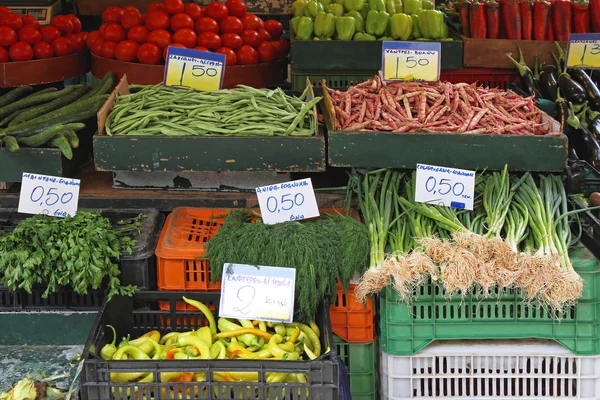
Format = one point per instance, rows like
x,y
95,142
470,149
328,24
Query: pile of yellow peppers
x,y
222,339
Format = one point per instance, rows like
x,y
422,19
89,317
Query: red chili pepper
x,y
581,17
464,7
550,29
595,14
541,12
526,10
511,17
477,20
562,18
492,16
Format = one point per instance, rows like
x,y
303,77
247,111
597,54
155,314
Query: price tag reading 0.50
x,y
289,201
449,187
41,194
583,51
190,69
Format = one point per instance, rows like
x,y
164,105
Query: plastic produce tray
x,y
352,320
137,268
138,314
407,329
361,362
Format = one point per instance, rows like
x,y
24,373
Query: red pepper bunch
x,y
529,19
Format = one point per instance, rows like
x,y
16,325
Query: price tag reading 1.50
x,y
48,195
583,51
193,69
442,186
410,61
288,201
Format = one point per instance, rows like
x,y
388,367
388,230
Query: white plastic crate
x,y
491,370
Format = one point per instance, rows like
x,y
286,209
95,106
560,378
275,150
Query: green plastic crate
x,y
361,362
339,80
406,329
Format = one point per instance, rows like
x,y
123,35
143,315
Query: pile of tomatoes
x,y
128,35
23,39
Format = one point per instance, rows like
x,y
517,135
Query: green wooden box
x,y
205,153
452,150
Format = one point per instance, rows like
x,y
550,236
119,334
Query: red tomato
x,y
3,55
205,24
166,50
209,40
76,23
264,35
251,21
157,20
160,37
131,18
11,20
174,6
8,36
112,14
274,28
231,40
97,46
29,34
30,20
246,55
42,50
49,33
266,52
186,37
181,21
63,47
156,6
131,8
5,9
251,37
138,34
149,53
108,49
201,48
126,51
89,41
77,42
114,32
84,36
230,57
281,46
63,23
231,25
237,8
21,51
102,29
216,11
193,10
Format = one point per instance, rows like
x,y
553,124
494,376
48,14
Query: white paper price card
x,y
48,195
288,201
442,186
257,292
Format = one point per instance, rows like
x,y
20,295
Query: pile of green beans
x,y
243,111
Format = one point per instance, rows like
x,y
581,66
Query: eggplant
x,y
594,127
593,94
561,112
571,89
581,141
527,78
549,82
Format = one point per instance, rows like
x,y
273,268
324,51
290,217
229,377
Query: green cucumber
x,y
10,143
68,96
71,137
29,101
62,143
40,139
103,86
14,94
6,121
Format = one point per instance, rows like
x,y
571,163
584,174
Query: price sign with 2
x,y
411,61
450,187
193,69
583,50
288,201
48,195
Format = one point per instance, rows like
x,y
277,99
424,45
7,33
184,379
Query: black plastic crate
x,y
139,314
137,268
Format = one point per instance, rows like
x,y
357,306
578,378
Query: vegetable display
x,y
226,28
81,251
50,117
367,21
444,107
244,111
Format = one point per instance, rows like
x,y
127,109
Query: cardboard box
x,y
42,13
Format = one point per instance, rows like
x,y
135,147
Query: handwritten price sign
x,y
257,292
48,195
411,61
288,201
442,186
193,69
583,50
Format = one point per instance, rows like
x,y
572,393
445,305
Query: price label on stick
x,y
288,201
48,195
411,61
257,292
442,186
193,69
583,50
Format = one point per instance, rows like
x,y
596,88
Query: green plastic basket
x,y
340,80
361,361
406,329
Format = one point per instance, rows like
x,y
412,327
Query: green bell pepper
x,y
386,38
431,24
394,7
324,25
416,32
365,10
298,8
377,5
359,20
345,27
412,6
312,7
427,5
335,9
325,2
401,26
350,5
364,36
304,28
377,22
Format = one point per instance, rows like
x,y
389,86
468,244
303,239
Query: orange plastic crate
x,y
352,320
